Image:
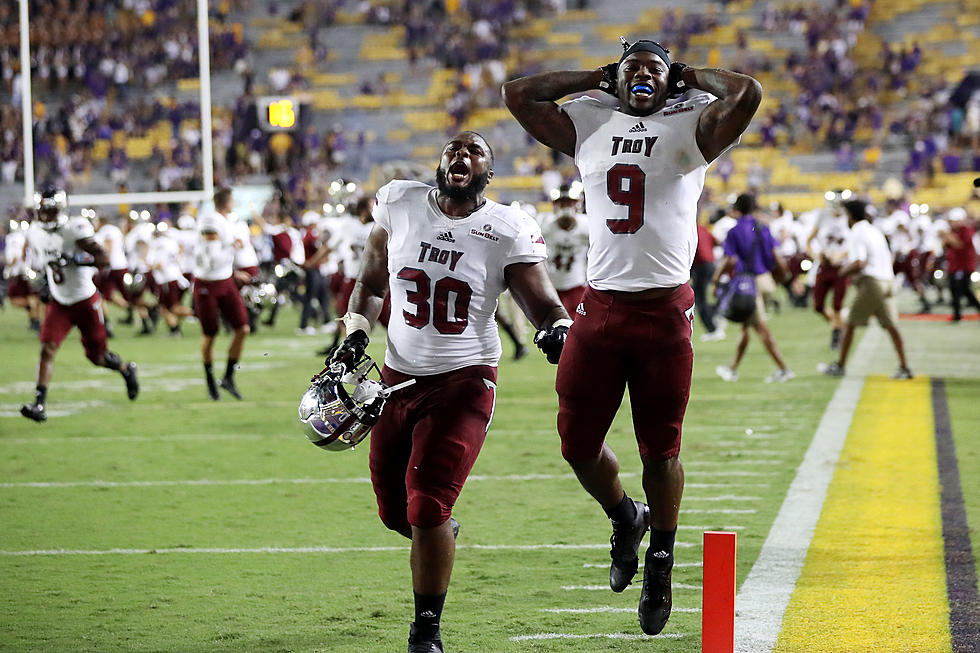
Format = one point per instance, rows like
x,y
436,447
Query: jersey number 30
x,y
438,309
625,186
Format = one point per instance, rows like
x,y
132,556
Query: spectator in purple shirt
x,y
750,248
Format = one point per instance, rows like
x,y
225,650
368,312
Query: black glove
x,y
608,81
675,79
350,352
551,341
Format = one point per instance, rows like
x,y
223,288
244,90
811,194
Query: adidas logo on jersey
x,y
446,236
637,128
580,309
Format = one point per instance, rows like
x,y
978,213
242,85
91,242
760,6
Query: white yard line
x,y
605,565
596,588
98,483
303,549
608,608
628,636
763,597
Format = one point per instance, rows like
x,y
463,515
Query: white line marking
x,y
766,592
676,586
605,565
630,636
607,609
724,511
298,481
146,439
304,549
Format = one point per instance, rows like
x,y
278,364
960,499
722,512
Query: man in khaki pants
x,y
870,260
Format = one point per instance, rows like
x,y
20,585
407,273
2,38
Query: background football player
x,y
20,289
67,249
450,252
216,295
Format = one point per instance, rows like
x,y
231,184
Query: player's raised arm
x,y
533,101
727,117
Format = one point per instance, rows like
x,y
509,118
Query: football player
x,y
168,280
20,290
567,234
643,165
67,249
215,294
827,244
445,254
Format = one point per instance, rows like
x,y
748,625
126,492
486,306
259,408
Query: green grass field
x,y
173,523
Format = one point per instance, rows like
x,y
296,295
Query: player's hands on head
x,y
608,81
551,341
675,79
351,351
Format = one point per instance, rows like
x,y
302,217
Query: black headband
x,y
647,46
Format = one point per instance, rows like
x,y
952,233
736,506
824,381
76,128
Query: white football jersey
x,y
568,251
15,253
72,283
245,255
164,261
444,277
643,176
111,239
831,238
214,259
356,236
187,240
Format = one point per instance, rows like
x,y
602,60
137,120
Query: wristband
x,y
355,321
562,322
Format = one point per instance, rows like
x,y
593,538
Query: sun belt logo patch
x,y
637,128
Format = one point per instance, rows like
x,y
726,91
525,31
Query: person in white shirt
x,y
566,232
827,245
69,254
445,254
870,261
20,290
643,162
168,279
216,295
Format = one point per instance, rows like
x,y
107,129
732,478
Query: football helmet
x,y
335,418
51,204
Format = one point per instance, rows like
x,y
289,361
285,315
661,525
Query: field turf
x,y
174,523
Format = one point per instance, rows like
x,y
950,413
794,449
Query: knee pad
x,y
111,360
426,511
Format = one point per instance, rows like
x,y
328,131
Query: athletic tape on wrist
x,y
355,321
565,322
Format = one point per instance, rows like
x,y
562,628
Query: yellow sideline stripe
x,y
874,576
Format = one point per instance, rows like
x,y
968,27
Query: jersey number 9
x,y
625,185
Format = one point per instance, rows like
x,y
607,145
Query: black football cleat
x,y
213,390
228,385
655,597
520,352
625,541
132,385
418,644
34,412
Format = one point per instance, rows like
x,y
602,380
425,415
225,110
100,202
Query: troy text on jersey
x,y
436,255
633,145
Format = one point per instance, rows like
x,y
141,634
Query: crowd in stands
x,y
113,63
101,69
